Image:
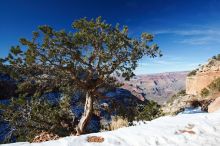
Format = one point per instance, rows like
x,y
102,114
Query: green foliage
x,y
215,85
217,57
149,111
16,50
118,122
180,93
212,88
128,113
204,92
87,59
30,117
192,73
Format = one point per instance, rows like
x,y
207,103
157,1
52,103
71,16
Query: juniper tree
x,y
88,58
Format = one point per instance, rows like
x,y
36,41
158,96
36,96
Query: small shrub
x,y
217,57
215,85
212,88
178,111
192,73
205,92
180,93
149,111
29,117
214,57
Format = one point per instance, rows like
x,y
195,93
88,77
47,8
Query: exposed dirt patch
x,y
45,136
97,139
187,129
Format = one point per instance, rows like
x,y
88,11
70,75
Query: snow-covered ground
x,y
201,129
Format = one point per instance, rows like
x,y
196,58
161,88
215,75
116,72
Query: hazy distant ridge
x,y
158,87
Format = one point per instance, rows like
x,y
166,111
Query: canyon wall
x,y
204,75
158,87
194,84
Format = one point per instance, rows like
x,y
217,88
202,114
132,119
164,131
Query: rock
x,y
186,104
205,75
158,87
214,106
177,105
195,84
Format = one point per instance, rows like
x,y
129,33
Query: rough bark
x,y
88,109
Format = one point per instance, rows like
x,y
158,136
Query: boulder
x,y
214,106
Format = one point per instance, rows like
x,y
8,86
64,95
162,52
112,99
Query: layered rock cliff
x,y
202,77
158,87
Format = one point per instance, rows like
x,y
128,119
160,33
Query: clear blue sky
x,y
187,31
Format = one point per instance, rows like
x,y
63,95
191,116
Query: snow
x,y
201,129
137,123
192,110
218,111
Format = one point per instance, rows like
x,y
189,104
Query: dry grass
x,y
45,136
118,122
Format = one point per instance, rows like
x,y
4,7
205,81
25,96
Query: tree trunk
x,y
88,109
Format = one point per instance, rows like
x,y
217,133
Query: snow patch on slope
x,y
164,131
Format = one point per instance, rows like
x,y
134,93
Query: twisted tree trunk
x,y
88,109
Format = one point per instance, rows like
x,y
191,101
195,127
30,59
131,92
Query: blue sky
x,y
187,31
